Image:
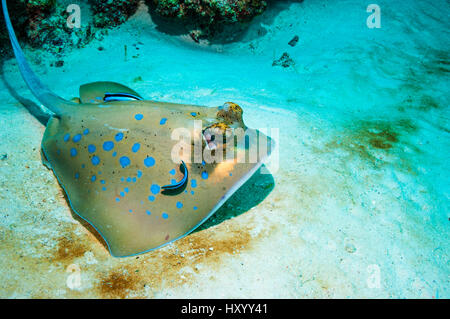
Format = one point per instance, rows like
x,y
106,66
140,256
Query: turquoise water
x,y
360,194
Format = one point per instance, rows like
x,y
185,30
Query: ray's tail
x,y
49,99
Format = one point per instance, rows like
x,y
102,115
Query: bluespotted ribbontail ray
x,y
113,154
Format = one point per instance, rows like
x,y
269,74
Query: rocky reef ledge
x,y
42,23
207,17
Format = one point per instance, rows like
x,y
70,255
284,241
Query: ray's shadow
x,y
33,108
249,195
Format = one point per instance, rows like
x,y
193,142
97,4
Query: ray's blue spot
x,y
192,192
173,181
122,179
139,117
130,210
139,174
83,166
73,152
91,148
95,160
117,199
135,147
124,161
165,215
203,163
86,131
108,145
231,174
118,137
58,152
77,175
149,161
155,189
179,204
163,121
129,179
172,172
205,175
93,178
103,181
122,194
151,198
103,188
134,179
148,212
76,138
114,154
193,183
66,137
194,114
195,207
126,189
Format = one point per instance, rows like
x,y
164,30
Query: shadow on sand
x,y
253,192
31,106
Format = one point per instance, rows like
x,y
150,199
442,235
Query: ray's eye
x,y
231,114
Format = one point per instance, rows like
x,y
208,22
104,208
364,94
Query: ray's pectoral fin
x,y
177,188
100,92
51,130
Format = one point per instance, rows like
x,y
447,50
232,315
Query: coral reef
x,y
209,15
37,12
109,13
20,21
48,29
43,24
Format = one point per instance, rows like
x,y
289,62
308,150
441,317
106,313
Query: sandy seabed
x,y
357,202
